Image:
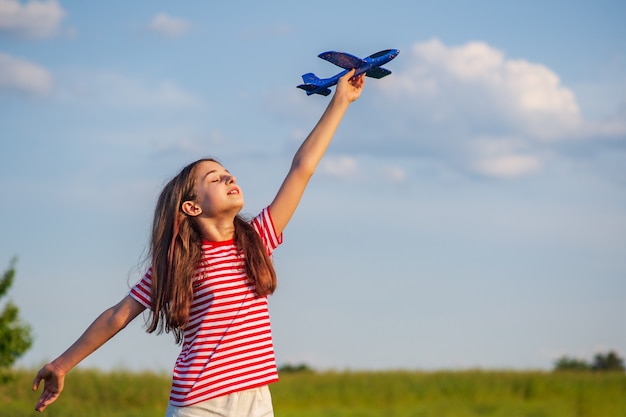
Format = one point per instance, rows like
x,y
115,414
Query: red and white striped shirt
x,y
227,344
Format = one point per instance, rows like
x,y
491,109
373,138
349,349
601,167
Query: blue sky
x,y
471,211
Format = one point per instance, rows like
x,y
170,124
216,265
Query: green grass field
x,y
348,394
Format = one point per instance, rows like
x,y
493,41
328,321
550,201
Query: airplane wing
x,y
380,53
378,72
342,59
313,89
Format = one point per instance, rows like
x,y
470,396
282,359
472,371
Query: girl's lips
x,y
233,191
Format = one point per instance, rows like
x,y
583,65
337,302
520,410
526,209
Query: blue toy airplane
x,y
371,66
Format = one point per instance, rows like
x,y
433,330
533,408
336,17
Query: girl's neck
x,y
217,231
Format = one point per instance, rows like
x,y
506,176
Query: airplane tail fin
x,y
312,84
311,78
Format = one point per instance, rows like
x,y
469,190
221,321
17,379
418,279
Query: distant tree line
x,y
292,369
609,361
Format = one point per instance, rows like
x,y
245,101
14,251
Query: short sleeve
x,y
141,292
264,226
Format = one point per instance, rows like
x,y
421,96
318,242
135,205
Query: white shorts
x,y
255,402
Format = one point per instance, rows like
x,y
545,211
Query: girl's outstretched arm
x,y
107,325
312,149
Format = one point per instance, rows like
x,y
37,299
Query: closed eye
x,y
215,176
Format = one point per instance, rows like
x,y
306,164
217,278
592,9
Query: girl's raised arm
x,y
312,149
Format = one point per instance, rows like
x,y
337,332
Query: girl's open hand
x,y
350,87
53,381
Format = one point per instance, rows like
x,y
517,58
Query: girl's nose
x,y
231,179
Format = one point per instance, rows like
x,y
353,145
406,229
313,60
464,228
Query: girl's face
x,y
217,192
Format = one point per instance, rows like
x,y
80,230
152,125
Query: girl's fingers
x,y
358,81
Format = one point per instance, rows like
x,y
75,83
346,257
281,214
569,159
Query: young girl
x,y
208,283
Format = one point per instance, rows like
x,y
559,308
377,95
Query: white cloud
x,y
34,19
477,110
168,26
340,167
547,108
505,166
122,91
504,157
348,168
479,80
20,75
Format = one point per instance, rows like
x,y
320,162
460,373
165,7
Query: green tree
x,y
292,369
608,362
15,336
566,363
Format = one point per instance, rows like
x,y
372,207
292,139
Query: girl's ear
x,y
191,208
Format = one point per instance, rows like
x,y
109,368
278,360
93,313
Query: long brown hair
x,y
176,251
